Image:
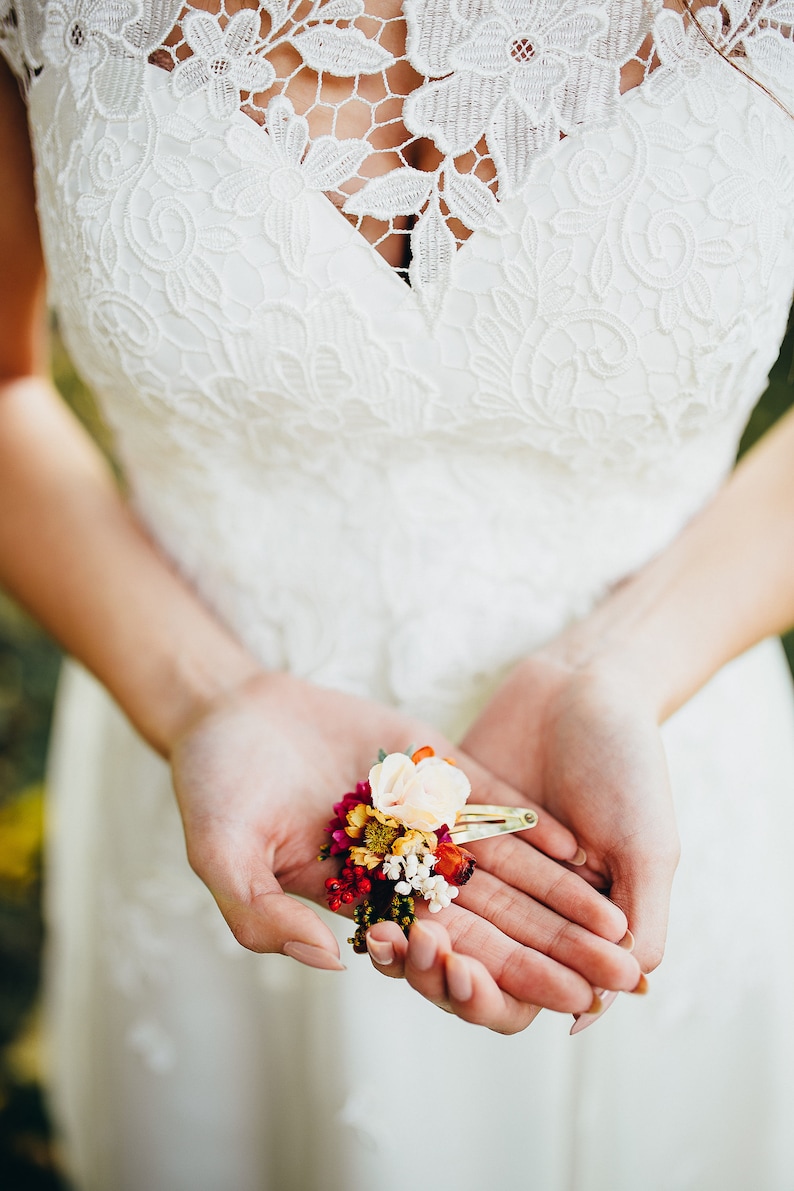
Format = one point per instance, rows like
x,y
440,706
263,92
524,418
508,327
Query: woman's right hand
x,y
256,776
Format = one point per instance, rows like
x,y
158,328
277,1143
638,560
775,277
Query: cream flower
x,y
422,796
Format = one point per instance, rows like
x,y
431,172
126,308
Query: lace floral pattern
x,y
518,76
499,84
231,202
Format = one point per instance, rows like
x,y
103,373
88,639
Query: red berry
x,y
364,886
334,904
332,884
348,896
359,870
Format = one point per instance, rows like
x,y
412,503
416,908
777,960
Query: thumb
x,y
264,919
641,886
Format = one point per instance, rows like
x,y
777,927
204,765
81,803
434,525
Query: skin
x,y
574,729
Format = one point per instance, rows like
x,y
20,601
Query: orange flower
x,y
454,864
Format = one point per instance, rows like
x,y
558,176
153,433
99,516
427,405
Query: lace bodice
x,y
403,311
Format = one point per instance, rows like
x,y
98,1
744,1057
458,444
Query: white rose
x,y
422,796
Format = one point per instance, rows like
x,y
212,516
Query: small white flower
x,y
439,894
392,867
423,796
404,887
223,60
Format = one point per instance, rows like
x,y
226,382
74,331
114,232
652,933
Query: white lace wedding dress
x,y
416,335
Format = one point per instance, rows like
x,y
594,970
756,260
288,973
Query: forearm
x,y
74,556
724,584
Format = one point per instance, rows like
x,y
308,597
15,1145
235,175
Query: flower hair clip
x,y
398,835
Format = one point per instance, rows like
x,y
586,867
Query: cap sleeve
x,y
21,29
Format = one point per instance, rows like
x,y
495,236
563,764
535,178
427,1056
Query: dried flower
x,y
394,836
454,863
424,796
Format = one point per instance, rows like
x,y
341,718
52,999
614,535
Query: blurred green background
x,y
28,673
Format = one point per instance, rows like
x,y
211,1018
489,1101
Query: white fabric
x,y
399,490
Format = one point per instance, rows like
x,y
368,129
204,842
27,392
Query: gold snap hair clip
x,y
481,822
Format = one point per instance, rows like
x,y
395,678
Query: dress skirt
x,y
183,1063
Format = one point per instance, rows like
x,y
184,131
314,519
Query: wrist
x,y
192,685
625,642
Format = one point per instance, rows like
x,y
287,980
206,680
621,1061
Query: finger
x,y
457,983
521,972
475,997
387,947
601,963
641,886
559,888
460,984
549,835
583,1021
428,948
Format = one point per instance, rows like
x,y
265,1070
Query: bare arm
x,y
576,725
69,549
725,584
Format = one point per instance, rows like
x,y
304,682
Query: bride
x,y
427,333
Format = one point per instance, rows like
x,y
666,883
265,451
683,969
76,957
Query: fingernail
x,y
381,953
583,1020
421,948
597,1004
315,957
459,981
580,858
642,987
627,942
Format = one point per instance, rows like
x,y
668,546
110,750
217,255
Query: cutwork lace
x,y
398,489
451,104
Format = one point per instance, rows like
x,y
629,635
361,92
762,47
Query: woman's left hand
x,y
585,744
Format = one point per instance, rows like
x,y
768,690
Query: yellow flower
x,y
357,818
361,819
415,841
365,858
376,831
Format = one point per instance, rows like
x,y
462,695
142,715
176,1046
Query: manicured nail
x,y
597,1005
381,953
459,981
314,957
421,948
642,987
580,858
627,942
583,1020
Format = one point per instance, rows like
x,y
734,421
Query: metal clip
x,y
480,822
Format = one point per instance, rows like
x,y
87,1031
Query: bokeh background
x,y
29,664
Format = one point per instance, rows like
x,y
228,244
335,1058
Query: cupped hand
x,y
256,776
585,744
